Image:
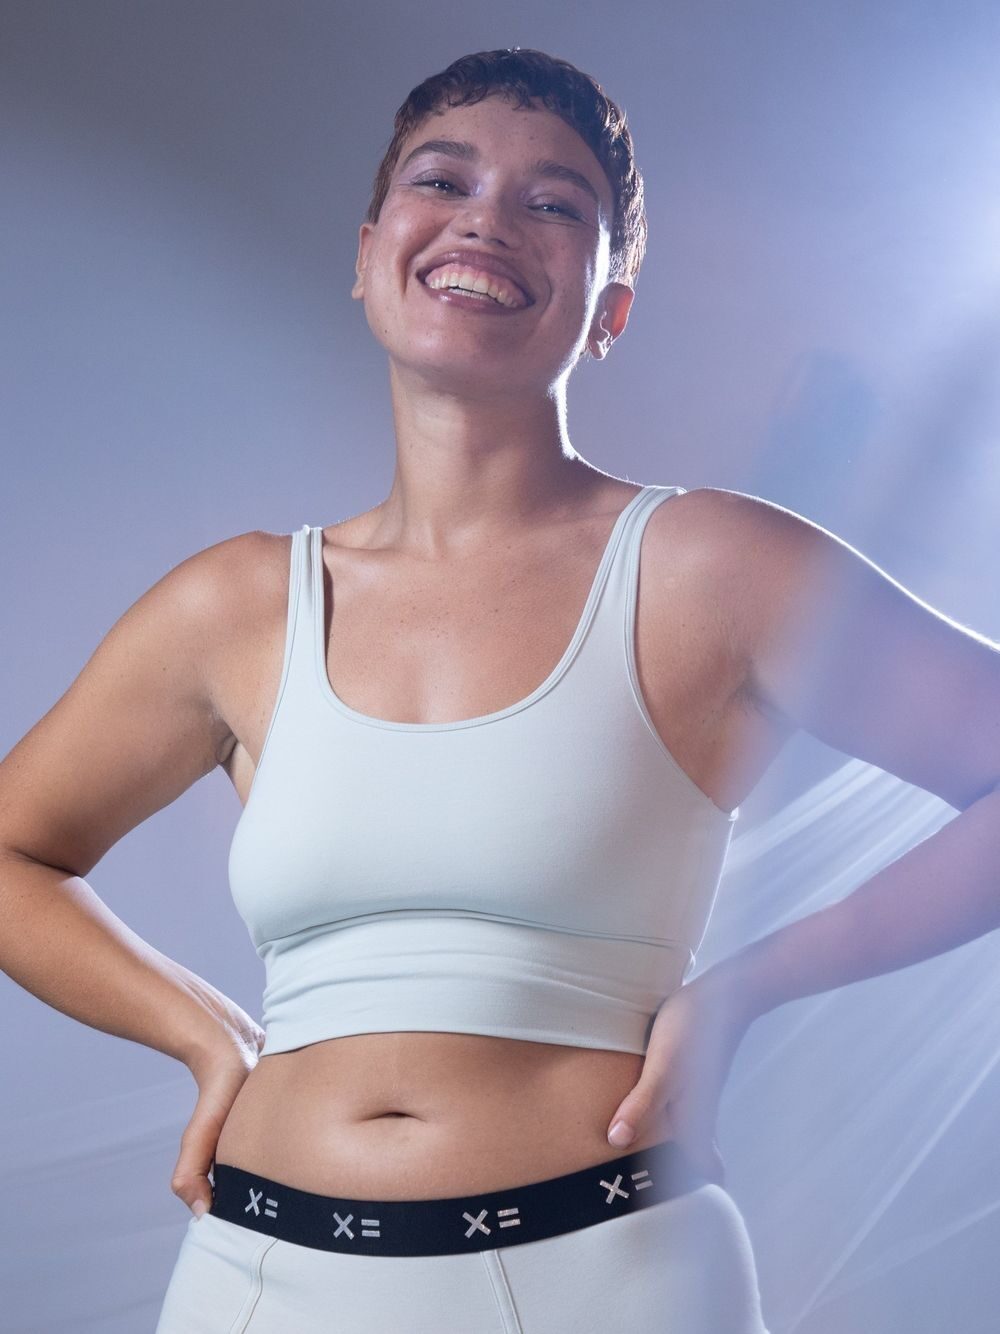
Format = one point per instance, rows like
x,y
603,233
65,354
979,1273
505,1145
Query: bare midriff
x,y
420,1115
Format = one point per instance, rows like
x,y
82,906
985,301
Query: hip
x,y
649,1247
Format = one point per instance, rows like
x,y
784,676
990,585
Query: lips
x,y
478,261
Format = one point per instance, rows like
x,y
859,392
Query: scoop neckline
x,y
320,644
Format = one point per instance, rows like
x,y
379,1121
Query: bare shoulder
x,y
715,516
238,591
145,718
718,550
220,599
710,519
207,587
744,541
250,561
837,646
779,580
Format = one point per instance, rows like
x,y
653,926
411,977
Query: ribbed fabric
x,y
545,872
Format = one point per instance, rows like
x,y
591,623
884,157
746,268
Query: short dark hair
x,y
525,74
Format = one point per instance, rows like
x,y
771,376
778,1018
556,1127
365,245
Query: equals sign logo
x,y
508,1217
370,1227
637,1177
272,1211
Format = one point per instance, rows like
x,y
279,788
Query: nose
x,y
489,218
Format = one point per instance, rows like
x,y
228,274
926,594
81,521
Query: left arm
x,y
835,646
839,648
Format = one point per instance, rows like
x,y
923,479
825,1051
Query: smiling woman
x,y
488,789
453,1012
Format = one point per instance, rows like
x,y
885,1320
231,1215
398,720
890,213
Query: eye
x,y
436,180
440,180
559,208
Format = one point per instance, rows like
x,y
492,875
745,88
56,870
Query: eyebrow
x,y
461,148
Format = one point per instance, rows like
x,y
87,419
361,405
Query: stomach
x,y
424,1115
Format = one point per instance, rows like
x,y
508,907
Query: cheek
x,y
382,284
394,256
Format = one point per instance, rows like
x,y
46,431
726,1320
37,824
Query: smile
x,y
481,301
485,288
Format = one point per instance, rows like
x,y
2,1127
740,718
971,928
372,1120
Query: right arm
x,y
138,726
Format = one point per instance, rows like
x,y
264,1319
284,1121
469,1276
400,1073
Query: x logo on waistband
x,y
613,1189
476,1223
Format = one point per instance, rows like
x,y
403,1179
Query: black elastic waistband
x,y
457,1223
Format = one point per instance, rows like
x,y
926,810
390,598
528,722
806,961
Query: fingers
x,y
220,1075
190,1178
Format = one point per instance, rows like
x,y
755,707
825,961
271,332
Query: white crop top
x,y
545,872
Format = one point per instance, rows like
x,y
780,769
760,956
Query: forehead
x,y
495,130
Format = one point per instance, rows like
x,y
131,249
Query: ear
x,y
610,319
365,234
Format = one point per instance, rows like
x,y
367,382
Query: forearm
x,y
62,943
941,893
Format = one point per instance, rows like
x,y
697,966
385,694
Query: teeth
x,y
468,281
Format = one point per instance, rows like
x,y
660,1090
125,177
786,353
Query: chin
x,y
465,373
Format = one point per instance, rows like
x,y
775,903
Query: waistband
x,y
457,1223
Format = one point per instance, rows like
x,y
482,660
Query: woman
x,y
488,790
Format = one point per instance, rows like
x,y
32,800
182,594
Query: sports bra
x,y
545,872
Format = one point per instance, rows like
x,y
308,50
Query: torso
x,y
415,1115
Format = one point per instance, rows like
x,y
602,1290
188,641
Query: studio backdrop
x,y
816,323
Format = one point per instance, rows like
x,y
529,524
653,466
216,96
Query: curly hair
x,y
522,75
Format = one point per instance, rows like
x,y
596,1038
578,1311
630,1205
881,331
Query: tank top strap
x,y
298,671
609,638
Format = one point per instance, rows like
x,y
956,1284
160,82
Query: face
x,y
548,228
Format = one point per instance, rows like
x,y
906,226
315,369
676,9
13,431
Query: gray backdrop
x,y
816,322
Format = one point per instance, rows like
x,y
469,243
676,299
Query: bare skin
x,y
415,1115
